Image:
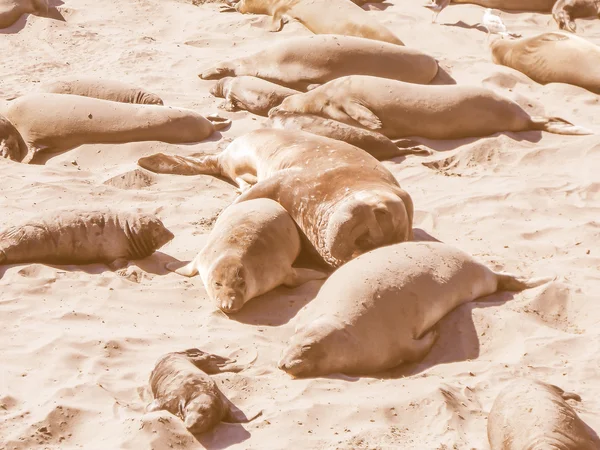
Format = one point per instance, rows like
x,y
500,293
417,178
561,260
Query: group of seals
x,y
12,10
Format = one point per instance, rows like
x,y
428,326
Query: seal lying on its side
x,y
379,310
181,385
83,237
58,122
531,415
552,58
397,109
116,91
303,62
344,200
12,10
566,11
249,252
12,145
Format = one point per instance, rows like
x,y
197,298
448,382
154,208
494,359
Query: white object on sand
x,y
493,23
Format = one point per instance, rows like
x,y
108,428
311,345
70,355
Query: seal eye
x,y
218,284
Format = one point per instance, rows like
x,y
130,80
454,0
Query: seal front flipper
x,y
422,346
410,147
181,165
155,405
268,188
557,125
301,276
362,115
187,270
117,264
279,20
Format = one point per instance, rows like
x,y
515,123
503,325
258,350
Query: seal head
x,y
146,235
226,283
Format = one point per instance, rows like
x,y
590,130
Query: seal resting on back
x,y
181,385
58,122
115,91
397,109
552,58
12,145
379,310
83,237
320,16
12,10
303,62
566,11
249,252
531,415
342,199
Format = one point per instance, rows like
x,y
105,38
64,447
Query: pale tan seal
x,y
12,145
375,144
320,16
343,200
116,91
181,384
81,236
566,11
12,10
532,415
303,62
380,309
250,251
58,122
397,109
251,94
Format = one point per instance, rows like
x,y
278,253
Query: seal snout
x,y
230,305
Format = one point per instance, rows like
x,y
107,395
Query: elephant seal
x,y
552,58
251,94
12,145
375,144
397,109
115,91
83,237
321,17
12,10
531,415
342,199
181,385
303,62
58,122
566,11
379,310
249,252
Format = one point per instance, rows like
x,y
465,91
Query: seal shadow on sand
x,y
223,435
532,136
461,24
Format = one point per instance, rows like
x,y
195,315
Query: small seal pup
x,y
397,109
78,236
249,252
303,62
12,10
555,57
344,201
251,94
532,415
116,91
181,385
12,145
566,11
380,309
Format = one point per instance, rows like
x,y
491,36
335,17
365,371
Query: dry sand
x,y
77,344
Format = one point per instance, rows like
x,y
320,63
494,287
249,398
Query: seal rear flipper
x,y
362,115
212,364
188,270
509,282
557,125
566,395
300,276
180,165
32,151
279,20
218,122
410,147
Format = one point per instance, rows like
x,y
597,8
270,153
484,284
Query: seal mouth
x,y
293,368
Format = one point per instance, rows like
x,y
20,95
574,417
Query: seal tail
x,y
557,125
509,282
181,165
564,20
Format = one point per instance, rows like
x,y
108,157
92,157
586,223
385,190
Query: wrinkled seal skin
x,y
115,91
380,309
12,10
552,58
566,11
532,415
301,62
83,237
181,385
342,199
12,145
249,252
397,109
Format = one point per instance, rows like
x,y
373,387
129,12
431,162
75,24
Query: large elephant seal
x,y
397,109
531,415
321,17
566,11
12,145
116,91
57,122
344,200
375,144
249,252
302,62
552,58
83,237
12,10
251,94
181,385
379,310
